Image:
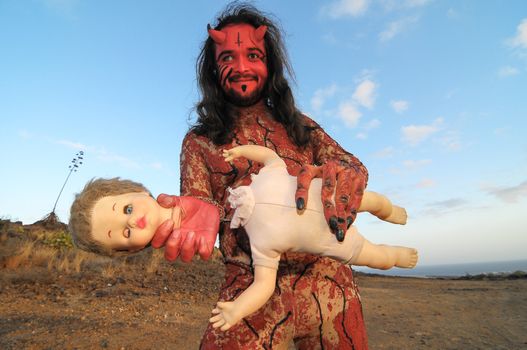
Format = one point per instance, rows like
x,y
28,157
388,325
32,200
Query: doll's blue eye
x,y
128,209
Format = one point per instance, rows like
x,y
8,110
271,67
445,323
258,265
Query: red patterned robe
x,y
316,302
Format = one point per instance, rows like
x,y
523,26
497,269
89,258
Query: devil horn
x,y
259,33
216,35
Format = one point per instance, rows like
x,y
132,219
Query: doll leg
x,y
228,313
384,257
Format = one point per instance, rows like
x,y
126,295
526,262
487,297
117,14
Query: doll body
x,y
267,211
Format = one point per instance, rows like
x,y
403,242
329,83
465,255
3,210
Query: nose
x,y
242,64
132,221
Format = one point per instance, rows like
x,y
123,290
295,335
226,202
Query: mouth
x,y
141,223
242,78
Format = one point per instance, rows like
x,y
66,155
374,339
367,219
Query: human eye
x,y
253,56
227,58
128,209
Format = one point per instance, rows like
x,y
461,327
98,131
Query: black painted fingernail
x,y
340,235
349,221
333,224
300,203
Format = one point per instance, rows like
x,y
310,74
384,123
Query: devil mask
x,y
241,62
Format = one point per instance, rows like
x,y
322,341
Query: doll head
x,y
113,215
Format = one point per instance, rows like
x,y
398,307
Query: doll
x,y
267,211
115,216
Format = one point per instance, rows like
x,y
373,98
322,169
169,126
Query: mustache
x,y
238,76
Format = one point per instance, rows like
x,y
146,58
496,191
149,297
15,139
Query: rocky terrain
x,y
55,297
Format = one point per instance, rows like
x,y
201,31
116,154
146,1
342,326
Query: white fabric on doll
x,y
267,210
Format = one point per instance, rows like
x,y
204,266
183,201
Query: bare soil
x,y
145,303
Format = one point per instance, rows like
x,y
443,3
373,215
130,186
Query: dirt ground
x,y
149,304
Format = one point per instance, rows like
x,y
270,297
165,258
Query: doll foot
x,y
398,216
224,316
406,257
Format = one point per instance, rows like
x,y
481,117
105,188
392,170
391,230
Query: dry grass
x,y
21,257
43,256
78,260
153,264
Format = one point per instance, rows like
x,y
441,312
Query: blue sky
x,y
430,95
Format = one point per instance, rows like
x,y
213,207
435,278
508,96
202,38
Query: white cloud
x,y
426,183
74,145
321,95
361,136
510,194
125,162
386,152
448,204
507,71
364,94
415,134
452,14
451,141
24,134
330,38
372,124
501,131
520,40
156,165
416,3
396,27
63,7
349,113
416,164
345,8
399,106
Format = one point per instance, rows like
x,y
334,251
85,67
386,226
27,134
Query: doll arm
x,y
256,153
227,314
381,207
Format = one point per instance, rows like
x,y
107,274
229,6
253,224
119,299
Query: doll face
x,y
241,64
125,222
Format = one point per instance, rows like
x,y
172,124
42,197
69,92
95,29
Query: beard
x,y
243,101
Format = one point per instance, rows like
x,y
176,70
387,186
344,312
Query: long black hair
x,y
216,115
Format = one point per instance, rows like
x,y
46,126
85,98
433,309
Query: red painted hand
x,y
197,233
340,210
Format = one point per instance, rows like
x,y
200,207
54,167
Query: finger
x,y
225,327
167,201
218,324
216,310
188,248
329,178
205,249
343,199
173,245
227,155
303,181
356,191
163,231
215,318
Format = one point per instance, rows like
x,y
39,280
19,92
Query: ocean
x,y
452,270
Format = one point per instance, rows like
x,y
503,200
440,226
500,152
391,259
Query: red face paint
x,y
241,62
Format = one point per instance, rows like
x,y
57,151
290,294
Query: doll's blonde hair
x,y
82,208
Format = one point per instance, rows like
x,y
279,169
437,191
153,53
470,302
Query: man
x,y
247,100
